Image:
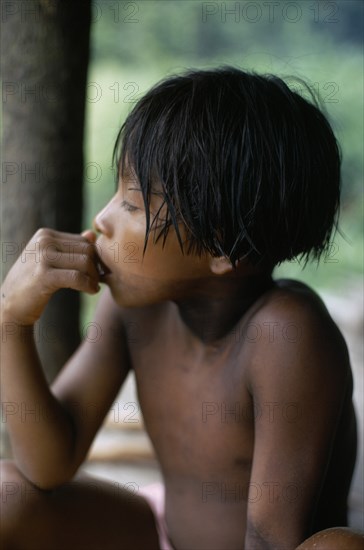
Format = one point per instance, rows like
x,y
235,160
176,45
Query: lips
x,y
102,268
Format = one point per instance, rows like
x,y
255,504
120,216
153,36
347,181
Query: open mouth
x,y
102,268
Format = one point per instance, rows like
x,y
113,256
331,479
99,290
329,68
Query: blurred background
x,y
133,45
116,50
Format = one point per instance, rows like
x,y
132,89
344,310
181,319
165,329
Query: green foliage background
x,y
135,44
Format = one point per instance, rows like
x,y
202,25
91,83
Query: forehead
x,y
131,185
127,175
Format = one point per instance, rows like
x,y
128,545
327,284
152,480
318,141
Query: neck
x,y
214,306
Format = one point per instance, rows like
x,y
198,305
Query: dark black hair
x,y
250,167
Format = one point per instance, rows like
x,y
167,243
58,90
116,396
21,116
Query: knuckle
x,y
43,232
44,238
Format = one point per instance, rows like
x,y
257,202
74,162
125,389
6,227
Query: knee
x,y
10,500
12,485
337,538
17,497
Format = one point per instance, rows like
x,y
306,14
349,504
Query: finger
x,y
70,278
52,233
53,247
89,235
82,262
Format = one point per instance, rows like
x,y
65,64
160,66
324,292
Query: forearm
x,y
41,432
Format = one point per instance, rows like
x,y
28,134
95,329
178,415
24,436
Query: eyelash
x,y
131,208
128,207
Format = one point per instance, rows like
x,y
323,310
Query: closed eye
x,y
128,207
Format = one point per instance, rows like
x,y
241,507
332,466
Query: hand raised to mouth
x,y
101,267
59,260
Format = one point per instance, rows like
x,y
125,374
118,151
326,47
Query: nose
x,y
101,222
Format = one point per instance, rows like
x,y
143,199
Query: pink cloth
x,y
154,494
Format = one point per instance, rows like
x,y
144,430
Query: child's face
x,y
163,274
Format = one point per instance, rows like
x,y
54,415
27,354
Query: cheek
x,y
168,263
128,244
160,264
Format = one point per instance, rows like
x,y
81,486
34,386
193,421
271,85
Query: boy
x,y
244,381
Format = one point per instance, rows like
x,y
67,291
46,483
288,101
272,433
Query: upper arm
x,y
298,384
90,380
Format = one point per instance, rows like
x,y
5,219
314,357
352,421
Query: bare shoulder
x,y
290,292
293,301
299,330
109,325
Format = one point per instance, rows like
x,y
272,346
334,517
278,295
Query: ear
x,y
220,265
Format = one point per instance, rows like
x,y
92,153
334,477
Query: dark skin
x,y
230,369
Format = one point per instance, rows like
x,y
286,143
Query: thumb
x,y
89,235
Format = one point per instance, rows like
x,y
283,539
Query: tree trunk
x,y
45,51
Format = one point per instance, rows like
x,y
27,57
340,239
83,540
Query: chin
x,y
130,295
125,298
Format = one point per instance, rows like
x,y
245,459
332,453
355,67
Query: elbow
x,y
266,535
49,483
17,481
256,538
46,482
46,478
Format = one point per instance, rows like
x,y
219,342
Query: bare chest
x,y
197,410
